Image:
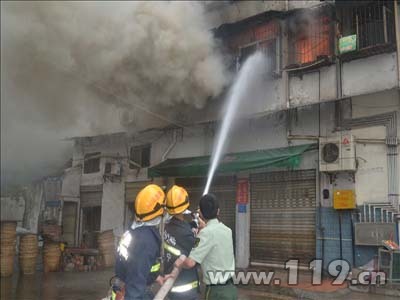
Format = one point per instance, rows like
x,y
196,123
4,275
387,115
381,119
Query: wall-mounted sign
x,y
242,192
348,44
242,208
344,199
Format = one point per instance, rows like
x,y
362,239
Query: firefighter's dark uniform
x,y
137,261
179,239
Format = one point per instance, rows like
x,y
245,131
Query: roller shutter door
x,y
91,195
69,222
131,191
90,203
133,188
224,187
283,216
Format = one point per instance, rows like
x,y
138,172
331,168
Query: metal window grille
x,y
264,36
310,38
371,21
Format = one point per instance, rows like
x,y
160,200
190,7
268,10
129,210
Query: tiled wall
x,y
328,218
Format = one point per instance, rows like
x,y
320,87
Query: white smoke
x,y
79,68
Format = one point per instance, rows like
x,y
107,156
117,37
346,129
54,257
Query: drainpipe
x,y
397,24
171,146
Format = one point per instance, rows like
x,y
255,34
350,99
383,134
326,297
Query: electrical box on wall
x,y
337,153
344,199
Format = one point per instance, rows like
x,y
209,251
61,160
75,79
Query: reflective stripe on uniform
x,y
172,250
155,268
124,245
185,287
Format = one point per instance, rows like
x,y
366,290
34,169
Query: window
x,y
91,163
269,47
371,21
261,36
91,217
139,157
107,168
309,38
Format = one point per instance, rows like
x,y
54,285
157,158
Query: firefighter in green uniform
x,y
213,250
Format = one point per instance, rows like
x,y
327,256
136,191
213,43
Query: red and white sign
x,y
242,193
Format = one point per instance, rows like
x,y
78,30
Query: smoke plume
x,y
83,68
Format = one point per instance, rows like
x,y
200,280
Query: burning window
x,y
139,157
309,38
262,36
91,163
372,22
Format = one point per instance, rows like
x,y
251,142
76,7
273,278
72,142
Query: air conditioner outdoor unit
x,y
337,153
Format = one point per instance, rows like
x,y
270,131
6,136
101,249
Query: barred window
x,y
371,21
310,38
264,36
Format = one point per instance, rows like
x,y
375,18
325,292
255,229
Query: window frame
x,y
321,26
272,42
91,161
141,164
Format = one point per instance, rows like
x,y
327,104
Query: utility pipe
x,y
397,24
353,238
165,288
171,146
340,235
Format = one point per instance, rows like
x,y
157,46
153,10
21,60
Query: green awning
x,y
233,162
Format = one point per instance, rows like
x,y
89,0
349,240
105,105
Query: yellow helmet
x,y
149,203
177,200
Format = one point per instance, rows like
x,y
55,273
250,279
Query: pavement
x,y
94,286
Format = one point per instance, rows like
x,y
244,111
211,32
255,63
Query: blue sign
x,y
242,208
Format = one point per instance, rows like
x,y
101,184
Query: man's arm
x,y
201,248
188,263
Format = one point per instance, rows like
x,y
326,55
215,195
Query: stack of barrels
x,y
28,252
106,245
7,247
51,258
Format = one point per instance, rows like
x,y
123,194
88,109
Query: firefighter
x,y
138,257
179,239
213,250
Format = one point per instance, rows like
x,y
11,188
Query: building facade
x,y
319,134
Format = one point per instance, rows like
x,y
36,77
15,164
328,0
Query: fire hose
x,y
165,288
162,292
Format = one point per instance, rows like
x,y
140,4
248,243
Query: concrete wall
x,y
221,12
112,148
12,208
112,207
360,77
372,157
70,189
369,75
265,132
34,204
